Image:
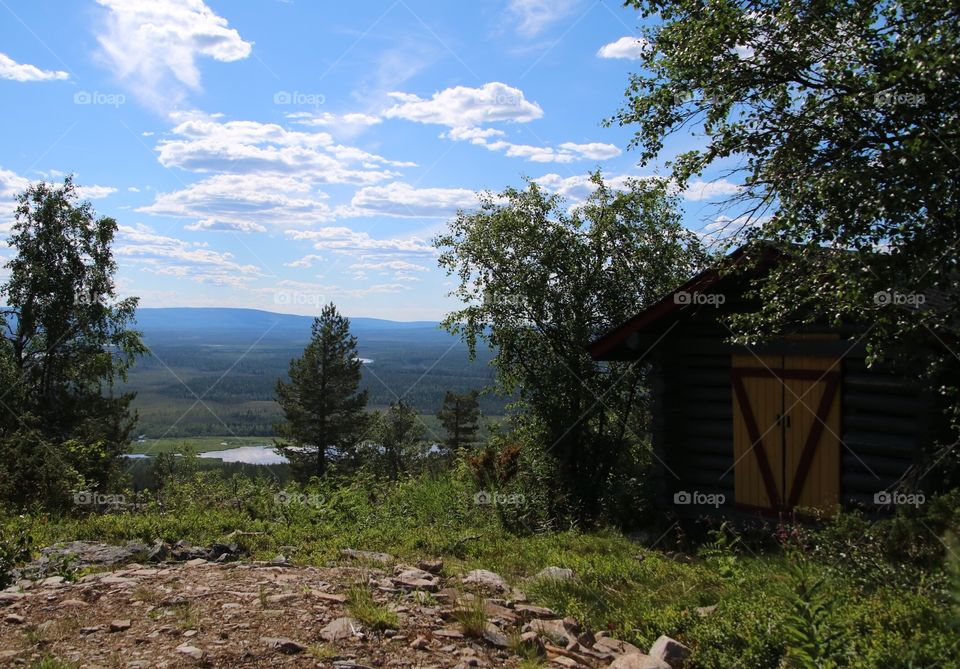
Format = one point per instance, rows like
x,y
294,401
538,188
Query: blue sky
x,y
278,155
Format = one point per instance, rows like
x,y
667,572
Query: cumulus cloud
x,y
462,106
244,203
567,152
143,248
403,200
326,119
247,147
631,48
11,69
708,190
345,240
153,45
532,17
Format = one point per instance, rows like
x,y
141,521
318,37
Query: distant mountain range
x,y
219,323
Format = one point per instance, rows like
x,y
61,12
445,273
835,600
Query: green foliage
x,y
840,119
538,283
16,542
321,403
635,593
813,639
459,416
363,607
396,433
66,342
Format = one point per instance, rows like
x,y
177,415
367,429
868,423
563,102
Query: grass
x,y
363,607
196,444
471,614
893,614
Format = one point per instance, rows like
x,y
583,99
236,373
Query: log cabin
x,y
793,425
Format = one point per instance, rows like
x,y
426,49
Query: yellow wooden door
x,y
757,438
812,432
786,432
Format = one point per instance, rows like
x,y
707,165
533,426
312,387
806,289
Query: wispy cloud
x,y
11,69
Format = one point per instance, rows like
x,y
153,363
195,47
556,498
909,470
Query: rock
x,y
556,631
448,634
119,625
564,661
638,661
7,598
555,574
51,581
13,619
529,611
284,645
382,558
420,643
432,566
90,630
223,552
159,552
281,598
191,651
614,647
670,651
704,611
328,596
486,579
341,628
73,603
279,561
495,637
197,562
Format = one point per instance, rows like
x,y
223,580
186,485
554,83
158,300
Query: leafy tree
x,y
397,430
842,120
323,408
460,415
65,340
538,283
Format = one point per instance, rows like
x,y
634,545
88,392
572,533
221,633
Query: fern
x,y
814,639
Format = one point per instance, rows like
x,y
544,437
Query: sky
x,y
281,154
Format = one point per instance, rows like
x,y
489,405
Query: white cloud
x,y
11,69
244,203
153,45
707,190
632,48
345,240
567,152
326,119
535,16
403,200
401,270
305,262
462,106
141,247
94,192
245,147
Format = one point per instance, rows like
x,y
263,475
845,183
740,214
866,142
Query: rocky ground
x,y
189,607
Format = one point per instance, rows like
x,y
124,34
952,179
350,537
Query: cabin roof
x,y
621,342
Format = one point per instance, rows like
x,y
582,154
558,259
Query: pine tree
x,y
398,430
460,417
323,408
